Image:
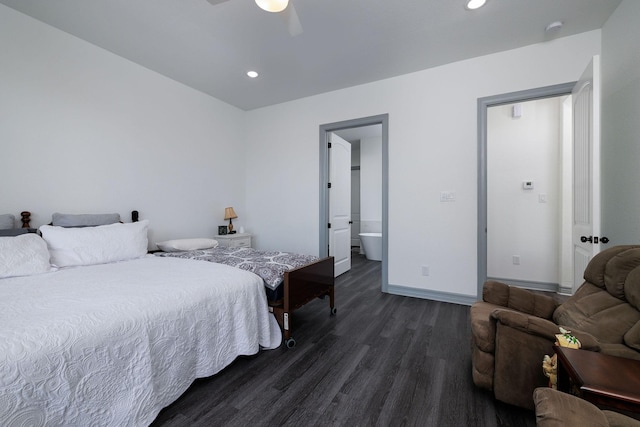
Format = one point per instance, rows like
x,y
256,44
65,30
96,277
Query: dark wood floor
x,y
383,360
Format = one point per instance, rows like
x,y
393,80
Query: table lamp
x,y
230,214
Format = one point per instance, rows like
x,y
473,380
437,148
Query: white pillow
x,y
180,245
23,255
96,245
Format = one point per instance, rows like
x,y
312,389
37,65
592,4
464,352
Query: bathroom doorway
x,y
366,180
372,131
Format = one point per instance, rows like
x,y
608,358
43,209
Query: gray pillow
x,y
84,220
7,221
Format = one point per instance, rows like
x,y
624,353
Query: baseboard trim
x,y
461,299
536,286
565,290
431,295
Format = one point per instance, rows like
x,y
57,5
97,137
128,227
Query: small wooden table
x,y
605,381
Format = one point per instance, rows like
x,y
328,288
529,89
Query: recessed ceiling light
x,y
475,4
252,74
272,5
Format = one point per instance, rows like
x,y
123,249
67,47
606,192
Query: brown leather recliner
x,y
557,409
513,328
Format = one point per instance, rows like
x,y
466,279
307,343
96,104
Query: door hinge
x,y
329,145
329,225
329,185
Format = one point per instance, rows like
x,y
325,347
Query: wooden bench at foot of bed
x,y
302,285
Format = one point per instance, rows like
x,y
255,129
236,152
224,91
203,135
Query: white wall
x,y
620,125
432,147
371,184
526,148
83,130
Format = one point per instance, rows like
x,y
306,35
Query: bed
x,y
90,340
291,280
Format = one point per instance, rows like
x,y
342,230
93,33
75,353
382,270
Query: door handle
x,y
591,239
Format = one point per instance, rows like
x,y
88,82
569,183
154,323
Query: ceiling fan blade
x,y
293,22
215,2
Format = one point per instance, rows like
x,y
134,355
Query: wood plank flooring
x,y
383,360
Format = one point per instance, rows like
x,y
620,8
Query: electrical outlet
x,y
425,270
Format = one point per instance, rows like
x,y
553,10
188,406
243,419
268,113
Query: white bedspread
x,y
113,344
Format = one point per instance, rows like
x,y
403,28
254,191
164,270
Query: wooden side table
x,y
605,381
237,240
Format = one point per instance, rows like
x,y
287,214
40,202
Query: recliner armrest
x,y
526,323
541,327
519,299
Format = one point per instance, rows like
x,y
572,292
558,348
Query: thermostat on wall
x,y
527,185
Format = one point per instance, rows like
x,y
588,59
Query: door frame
x,y
325,130
483,105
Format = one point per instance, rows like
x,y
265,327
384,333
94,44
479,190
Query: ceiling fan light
x,y
272,5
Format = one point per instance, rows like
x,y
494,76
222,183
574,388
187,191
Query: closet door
x,y
586,169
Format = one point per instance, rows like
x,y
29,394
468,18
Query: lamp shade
x,y
229,213
272,5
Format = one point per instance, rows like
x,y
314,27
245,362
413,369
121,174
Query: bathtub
x,y
372,244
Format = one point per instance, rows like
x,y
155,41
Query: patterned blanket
x,y
269,265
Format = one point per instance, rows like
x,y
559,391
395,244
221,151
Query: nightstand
x,y
238,240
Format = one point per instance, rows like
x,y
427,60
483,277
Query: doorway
x,y
351,127
526,186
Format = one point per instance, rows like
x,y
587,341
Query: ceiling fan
x,y
285,7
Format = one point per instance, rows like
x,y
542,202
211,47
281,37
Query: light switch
x,y
447,196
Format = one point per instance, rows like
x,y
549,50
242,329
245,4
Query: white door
x,y
586,169
340,203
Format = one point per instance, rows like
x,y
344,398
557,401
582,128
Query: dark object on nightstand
x,y
26,219
222,230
